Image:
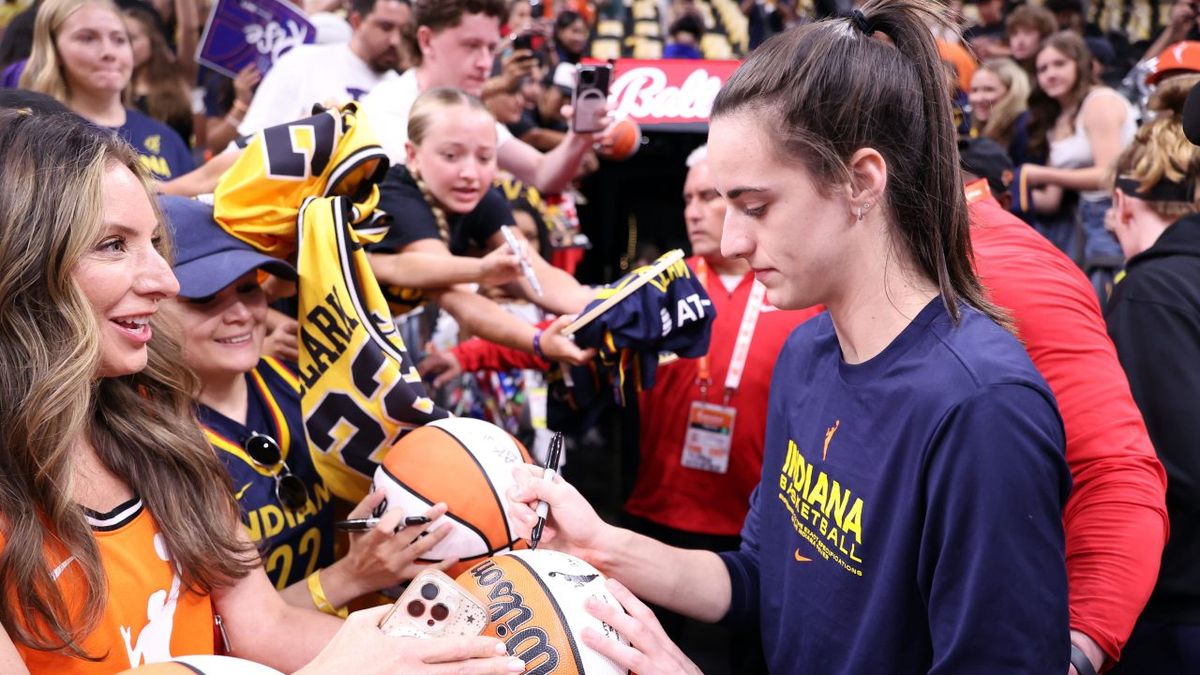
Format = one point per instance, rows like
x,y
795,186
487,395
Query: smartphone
x,y
434,605
523,41
590,97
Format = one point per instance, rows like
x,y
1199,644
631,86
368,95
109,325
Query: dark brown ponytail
x,y
873,79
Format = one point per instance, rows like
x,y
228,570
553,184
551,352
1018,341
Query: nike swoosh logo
x,y
800,558
238,495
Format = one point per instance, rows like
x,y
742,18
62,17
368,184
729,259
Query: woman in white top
x,y
1079,127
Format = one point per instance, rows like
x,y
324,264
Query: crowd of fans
x,y
1080,187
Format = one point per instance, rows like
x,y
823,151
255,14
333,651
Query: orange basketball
x,y
466,463
622,140
535,603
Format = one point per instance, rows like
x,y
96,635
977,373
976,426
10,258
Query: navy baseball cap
x,y
208,258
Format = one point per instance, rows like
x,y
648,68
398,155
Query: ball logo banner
x,y
667,91
241,32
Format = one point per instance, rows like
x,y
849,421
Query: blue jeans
x,y
1100,247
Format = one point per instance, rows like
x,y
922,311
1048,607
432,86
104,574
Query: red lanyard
x,y
741,347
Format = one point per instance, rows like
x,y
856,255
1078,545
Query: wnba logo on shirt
x,y
824,513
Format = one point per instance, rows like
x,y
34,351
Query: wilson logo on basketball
x,y
508,616
535,603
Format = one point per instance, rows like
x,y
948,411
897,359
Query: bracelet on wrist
x,y
537,346
317,592
1083,665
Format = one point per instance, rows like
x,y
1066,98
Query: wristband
x,y
1081,662
320,601
537,346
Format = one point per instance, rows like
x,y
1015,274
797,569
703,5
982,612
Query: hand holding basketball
x,y
649,651
573,526
385,556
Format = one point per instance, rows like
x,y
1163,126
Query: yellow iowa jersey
x,y
360,390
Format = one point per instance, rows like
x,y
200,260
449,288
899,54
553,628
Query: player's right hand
x,y
359,647
572,526
650,651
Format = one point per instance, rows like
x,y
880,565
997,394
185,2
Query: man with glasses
x,y
454,46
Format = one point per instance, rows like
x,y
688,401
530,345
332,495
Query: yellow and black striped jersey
x,y
308,189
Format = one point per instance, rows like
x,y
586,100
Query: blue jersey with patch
x,y
293,544
909,517
163,153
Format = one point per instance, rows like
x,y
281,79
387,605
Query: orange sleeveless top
x,y
149,617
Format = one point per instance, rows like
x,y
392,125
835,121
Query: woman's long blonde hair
x,y
45,72
142,426
1014,102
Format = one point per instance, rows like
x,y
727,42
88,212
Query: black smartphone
x,y
590,97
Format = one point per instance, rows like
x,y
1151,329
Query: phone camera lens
x,y
429,591
439,612
416,608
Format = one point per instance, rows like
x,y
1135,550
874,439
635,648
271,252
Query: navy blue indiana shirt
x,y
293,544
909,515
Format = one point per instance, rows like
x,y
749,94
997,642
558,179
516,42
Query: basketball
x,y
203,664
466,463
622,140
535,602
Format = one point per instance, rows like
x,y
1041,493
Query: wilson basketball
x,y
624,140
466,463
535,603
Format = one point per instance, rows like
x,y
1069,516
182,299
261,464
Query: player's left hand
x,y
650,651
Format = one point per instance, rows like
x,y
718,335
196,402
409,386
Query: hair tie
x,y
858,19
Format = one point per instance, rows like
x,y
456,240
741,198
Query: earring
x,y
861,208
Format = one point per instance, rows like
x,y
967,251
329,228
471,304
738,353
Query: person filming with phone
x,y
453,43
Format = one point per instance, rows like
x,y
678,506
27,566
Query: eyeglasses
x,y
289,489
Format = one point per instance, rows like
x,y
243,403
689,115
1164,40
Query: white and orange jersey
x,y
150,615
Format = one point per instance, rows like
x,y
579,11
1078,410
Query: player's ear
x,y
355,19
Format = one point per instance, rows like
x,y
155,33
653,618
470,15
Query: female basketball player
x,y
909,514
250,410
120,539
443,207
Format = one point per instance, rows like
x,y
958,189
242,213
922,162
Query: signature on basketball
x,y
579,580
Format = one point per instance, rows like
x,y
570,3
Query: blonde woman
x,y
1154,321
443,207
82,56
119,534
999,100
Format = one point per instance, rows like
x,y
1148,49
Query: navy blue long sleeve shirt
x,y
909,515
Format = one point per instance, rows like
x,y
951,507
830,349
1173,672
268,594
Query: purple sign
x,y
240,32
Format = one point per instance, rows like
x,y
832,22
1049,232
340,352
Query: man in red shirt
x,y
1116,519
694,482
